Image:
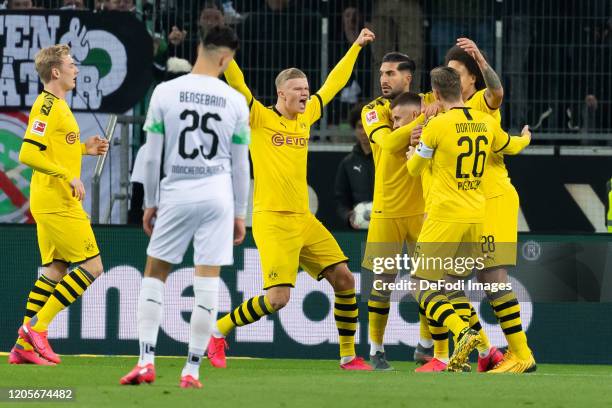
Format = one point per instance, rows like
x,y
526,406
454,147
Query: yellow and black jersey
x,y
458,143
396,193
54,132
279,146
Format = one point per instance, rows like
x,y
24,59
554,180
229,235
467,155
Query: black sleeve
x,y
344,198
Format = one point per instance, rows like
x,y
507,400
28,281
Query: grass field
x,y
252,383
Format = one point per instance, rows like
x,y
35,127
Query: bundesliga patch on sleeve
x,y
371,117
38,127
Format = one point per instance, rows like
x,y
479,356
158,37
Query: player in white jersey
x,y
197,135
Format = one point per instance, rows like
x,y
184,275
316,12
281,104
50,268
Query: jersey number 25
x,y
200,122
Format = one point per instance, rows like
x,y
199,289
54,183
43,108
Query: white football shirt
x,y
198,117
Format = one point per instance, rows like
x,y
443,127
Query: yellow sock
x,y
439,335
485,345
508,312
43,288
246,313
424,332
460,303
438,309
378,314
345,314
67,291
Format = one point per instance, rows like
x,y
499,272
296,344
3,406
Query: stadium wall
x,y
561,190
564,284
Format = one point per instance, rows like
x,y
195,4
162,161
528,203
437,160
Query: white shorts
x,y
209,223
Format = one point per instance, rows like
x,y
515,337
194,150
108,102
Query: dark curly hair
x,y
456,53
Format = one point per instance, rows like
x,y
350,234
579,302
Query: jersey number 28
x,y
200,122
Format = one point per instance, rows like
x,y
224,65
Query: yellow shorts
x,y
287,240
65,237
500,228
387,236
447,248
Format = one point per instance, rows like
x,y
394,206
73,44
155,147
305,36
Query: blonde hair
x,y
48,58
287,74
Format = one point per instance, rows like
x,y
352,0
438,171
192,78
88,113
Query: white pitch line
x,y
570,375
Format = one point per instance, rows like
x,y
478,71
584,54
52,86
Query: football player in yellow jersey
x,y
481,89
481,95
397,209
52,148
286,233
431,351
457,142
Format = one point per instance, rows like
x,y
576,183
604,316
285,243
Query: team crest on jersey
x,y
45,109
89,246
38,127
371,117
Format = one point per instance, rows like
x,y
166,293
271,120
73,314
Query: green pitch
x,y
253,383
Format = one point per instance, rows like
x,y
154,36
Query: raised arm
x,y
342,72
235,79
494,94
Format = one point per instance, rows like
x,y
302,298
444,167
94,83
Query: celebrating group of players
x,y
453,197
453,189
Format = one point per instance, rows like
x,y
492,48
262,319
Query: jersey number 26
x,y
480,156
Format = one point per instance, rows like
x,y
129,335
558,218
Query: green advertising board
x,y
564,284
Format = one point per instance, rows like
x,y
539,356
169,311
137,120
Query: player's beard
x,y
393,94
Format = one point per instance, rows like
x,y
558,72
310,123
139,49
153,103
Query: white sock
x,y
192,366
426,343
346,359
374,347
204,316
149,315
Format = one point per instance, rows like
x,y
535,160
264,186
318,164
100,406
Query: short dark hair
x,y
406,98
457,53
219,36
355,114
447,81
405,62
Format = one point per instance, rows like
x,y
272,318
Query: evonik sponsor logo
x,y
293,141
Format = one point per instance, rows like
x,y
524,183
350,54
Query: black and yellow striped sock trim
x,y
41,291
72,286
346,317
439,310
461,304
251,311
424,330
474,321
345,312
438,331
379,302
508,312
